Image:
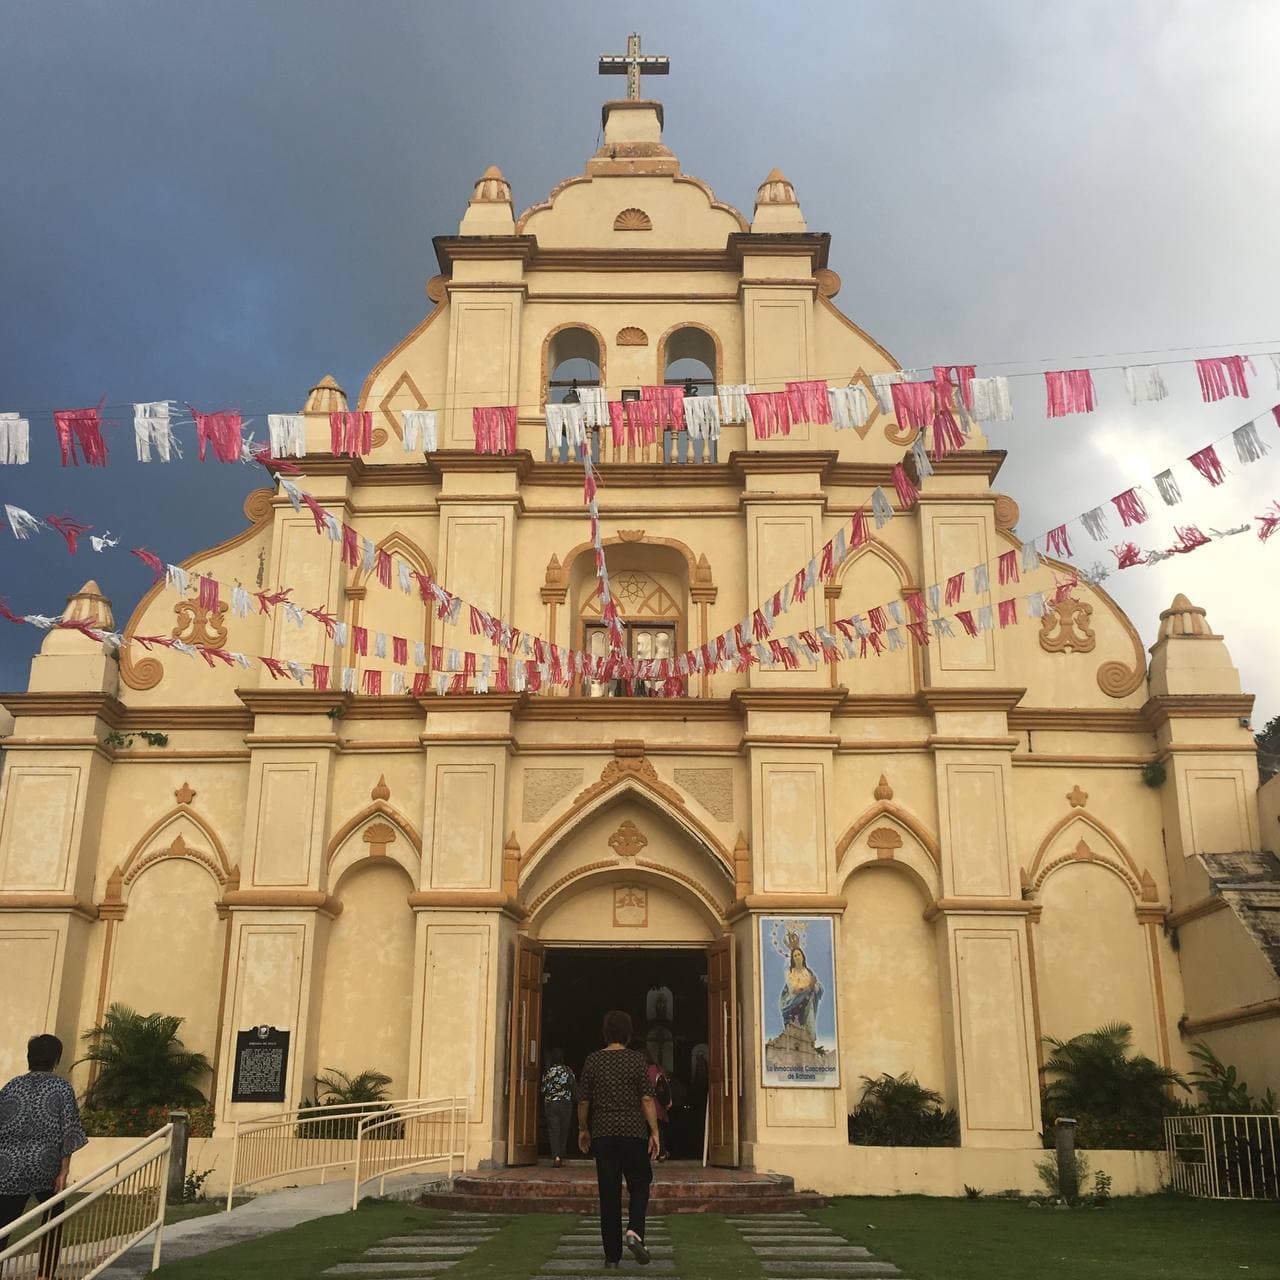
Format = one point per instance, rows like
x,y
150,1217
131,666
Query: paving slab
x,y
441,1237
390,1251
589,1266
821,1267
398,1269
823,1252
588,1248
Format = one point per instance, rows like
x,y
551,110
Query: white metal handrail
x,y
416,1135
306,1140
1225,1157
87,1235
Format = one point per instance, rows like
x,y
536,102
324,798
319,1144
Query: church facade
x,y
960,839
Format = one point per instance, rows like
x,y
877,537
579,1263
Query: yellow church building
x,y
962,840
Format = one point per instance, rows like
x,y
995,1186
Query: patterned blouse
x,y
613,1081
557,1084
39,1125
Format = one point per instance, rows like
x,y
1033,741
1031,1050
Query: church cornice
x,y
1162,708
102,705
812,247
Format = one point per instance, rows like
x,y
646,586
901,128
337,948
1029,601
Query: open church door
x,y
526,1051
722,1039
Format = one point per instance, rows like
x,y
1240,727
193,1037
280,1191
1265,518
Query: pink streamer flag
x,y
668,404
914,403
221,431
770,413
351,433
1222,376
495,428
1068,391
1129,505
809,401
1208,464
80,433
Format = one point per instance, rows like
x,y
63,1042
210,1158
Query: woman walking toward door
x,y
557,1104
618,1124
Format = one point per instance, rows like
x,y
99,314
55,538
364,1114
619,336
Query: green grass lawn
x,y
1153,1238
303,1252
1157,1238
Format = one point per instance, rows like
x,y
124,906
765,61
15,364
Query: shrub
x,y
137,1122
1221,1090
898,1111
1117,1099
141,1062
1048,1171
338,1090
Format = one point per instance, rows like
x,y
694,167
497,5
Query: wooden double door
x,y
526,1050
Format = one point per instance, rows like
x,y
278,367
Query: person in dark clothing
x,y
39,1131
557,1104
618,1124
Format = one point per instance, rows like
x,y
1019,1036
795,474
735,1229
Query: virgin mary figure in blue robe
x,y
801,994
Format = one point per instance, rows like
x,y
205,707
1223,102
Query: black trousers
x,y
616,1159
12,1207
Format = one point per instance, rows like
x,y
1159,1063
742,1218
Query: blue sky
x,y
221,202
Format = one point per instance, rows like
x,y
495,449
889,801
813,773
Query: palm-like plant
x,y
141,1062
898,1111
336,1088
1117,1097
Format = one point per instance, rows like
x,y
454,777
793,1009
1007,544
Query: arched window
x,y
689,360
650,586
573,359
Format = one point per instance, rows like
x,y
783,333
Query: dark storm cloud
x,y
224,201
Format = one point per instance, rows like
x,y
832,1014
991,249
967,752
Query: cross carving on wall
x,y
633,64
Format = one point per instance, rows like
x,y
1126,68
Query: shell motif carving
x,y
633,220
1006,512
632,337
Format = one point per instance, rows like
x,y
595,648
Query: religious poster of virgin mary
x,y
800,1048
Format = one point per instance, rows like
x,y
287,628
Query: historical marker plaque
x,y
262,1062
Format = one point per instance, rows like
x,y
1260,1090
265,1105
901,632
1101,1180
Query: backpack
x,y
662,1090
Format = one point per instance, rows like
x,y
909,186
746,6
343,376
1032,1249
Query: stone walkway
x,y
426,1253
579,1253
792,1246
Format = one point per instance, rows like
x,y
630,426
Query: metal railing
x,y
313,1139
415,1135
78,1234
1225,1157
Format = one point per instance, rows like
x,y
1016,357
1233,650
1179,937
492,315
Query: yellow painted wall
x,y
368,978
890,997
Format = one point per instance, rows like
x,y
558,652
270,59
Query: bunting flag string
x,y
821,401
464,671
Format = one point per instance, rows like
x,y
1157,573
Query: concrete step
x,y
553,1200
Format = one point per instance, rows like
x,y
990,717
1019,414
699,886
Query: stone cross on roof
x,y
633,64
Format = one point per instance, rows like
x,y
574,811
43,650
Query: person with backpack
x,y
661,1084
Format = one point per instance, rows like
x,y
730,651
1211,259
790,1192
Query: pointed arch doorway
x,y
644,933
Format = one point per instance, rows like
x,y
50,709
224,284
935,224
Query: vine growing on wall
x,y
149,736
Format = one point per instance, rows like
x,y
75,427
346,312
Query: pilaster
x,y
790,746
279,914
465,912
51,808
782,505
